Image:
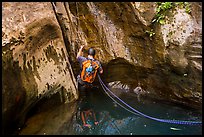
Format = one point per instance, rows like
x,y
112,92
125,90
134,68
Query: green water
x,y
53,118
115,120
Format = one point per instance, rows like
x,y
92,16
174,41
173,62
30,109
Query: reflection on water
x,y
114,120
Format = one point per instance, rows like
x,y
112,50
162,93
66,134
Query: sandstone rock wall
x,y
34,58
118,30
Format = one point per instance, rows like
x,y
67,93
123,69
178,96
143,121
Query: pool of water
x,y
56,119
115,120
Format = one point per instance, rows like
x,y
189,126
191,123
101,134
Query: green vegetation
x,y
164,7
150,33
185,5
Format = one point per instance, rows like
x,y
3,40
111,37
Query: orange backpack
x,y
89,70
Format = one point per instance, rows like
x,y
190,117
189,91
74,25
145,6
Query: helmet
x,y
91,51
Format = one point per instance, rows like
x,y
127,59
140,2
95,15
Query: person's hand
x,y
80,51
101,71
87,125
96,123
82,46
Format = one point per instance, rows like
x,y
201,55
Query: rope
x,y
156,119
118,103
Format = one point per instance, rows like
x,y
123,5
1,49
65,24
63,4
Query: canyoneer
x,y
89,67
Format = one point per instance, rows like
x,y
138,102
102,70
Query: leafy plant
x,y
163,7
150,33
187,7
161,10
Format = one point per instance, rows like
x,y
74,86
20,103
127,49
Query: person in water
x,y
88,115
89,67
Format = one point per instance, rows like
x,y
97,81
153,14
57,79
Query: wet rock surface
x,y
49,117
160,83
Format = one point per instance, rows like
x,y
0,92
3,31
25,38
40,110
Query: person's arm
x,y
84,121
80,51
95,121
82,117
100,69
